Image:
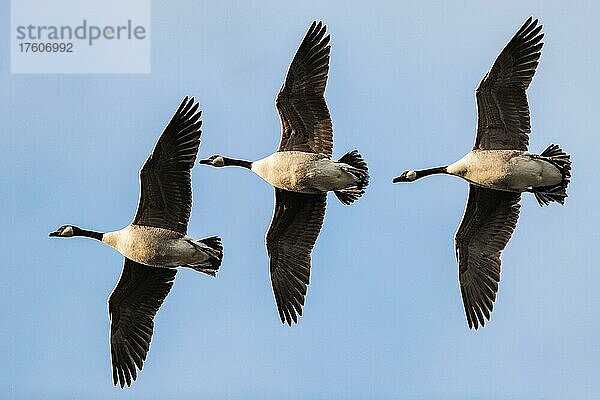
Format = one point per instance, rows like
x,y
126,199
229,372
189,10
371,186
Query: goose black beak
x,y
402,178
206,161
51,234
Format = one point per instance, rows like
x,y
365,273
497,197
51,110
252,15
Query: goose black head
x,y
214,160
64,231
406,176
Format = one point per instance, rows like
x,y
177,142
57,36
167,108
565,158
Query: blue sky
x,y
383,317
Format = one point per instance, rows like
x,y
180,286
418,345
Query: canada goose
x,y
498,170
302,172
155,243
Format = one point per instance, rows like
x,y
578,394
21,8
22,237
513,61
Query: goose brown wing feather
x,y
165,179
305,120
486,227
503,120
294,229
132,306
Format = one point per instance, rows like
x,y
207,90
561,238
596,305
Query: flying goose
x,y
498,170
302,172
155,243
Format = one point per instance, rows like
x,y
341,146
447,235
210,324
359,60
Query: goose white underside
x,y
157,247
304,172
509,170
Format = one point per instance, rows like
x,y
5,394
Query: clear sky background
x,y
383,317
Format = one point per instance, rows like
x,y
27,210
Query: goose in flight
x,y
302,172
155,243
498,170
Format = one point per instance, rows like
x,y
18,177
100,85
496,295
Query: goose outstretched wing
x,y
486,227
296,223
132,306
166,184
305,121
503,121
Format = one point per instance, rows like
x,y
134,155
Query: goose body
x,y
509,170
499,168
155,243
158,247
302,171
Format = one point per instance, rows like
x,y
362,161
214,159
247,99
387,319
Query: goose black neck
x,y
237,163
86,233
431,171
